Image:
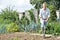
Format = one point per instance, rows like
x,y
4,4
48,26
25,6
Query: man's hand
x,y
46,19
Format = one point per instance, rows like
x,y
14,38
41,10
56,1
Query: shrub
x,y
2,28
53,28
9,15
57,27
50,28
31,15
32,27
53,12
12,27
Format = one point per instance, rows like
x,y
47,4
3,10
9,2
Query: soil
x,y
26,36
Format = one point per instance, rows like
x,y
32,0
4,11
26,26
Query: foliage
x,y
38,3
31,27
52,4
55,3
8,15
12,27
3,28
52,12
57,27
53,28
9,22
23,22
31,15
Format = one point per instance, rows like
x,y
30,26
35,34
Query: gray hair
x,y
44,3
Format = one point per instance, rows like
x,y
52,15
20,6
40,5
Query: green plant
x,y
9,15
3,28
57,27
50,28
12,27
31,15
53,28
52,12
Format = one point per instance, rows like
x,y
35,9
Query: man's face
x,y
44,6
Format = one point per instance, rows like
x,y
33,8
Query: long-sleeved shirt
x,y
44,14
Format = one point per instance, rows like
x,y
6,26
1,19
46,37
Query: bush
x,y
50,28
12,27
31,15
53,28
53,12
9,22
32,27
3,28
9,15
56,27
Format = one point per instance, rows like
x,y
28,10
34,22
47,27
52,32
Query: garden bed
x,y
26,36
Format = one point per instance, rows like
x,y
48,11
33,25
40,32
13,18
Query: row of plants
x,y
9,22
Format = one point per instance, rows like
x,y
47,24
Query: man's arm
x,y
48,15
40,15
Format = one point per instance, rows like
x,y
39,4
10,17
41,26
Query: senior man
x,y
44,16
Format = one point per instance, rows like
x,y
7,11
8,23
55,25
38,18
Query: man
x,y
44,16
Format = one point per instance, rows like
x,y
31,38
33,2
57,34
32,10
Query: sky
x,y
19,5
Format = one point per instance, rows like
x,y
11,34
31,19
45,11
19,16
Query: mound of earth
x,y
26,36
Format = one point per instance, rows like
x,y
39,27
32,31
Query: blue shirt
x,y
45,13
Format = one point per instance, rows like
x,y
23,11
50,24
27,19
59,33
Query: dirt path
x,y
26,36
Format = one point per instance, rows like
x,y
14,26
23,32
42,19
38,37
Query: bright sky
x,y
19,5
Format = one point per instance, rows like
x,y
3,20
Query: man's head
x,y
44,5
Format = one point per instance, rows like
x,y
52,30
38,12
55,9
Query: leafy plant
x,y
52,12
9,15
12,27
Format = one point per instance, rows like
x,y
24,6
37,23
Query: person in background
x,y
44,16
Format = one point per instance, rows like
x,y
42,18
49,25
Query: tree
x,y
55,4
39,2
